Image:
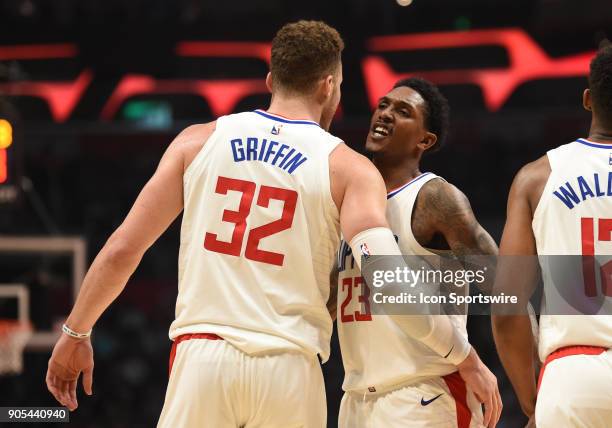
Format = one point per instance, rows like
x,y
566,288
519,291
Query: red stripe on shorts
x,y
458,390
566,352
182,338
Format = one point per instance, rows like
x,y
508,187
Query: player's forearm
x,y
438,333
104,281
487,246
435,331
514,340
332,308
479,250
485,243
332,302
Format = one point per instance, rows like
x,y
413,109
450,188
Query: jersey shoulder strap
x,y
411,189
558,156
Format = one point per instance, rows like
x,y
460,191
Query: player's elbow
x,y
120,251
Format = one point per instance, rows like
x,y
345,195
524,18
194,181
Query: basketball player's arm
x,y
443,209
447,211
364,225
362,201
155,208
159,203
518,276
332,302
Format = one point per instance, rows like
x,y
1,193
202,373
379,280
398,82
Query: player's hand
x,y
70,357
483,384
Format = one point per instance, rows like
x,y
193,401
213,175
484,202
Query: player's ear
x,y
324,89
586,100
328,86
428,141
269,81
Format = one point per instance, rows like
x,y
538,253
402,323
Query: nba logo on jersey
x,y
365,250
276,129
610,159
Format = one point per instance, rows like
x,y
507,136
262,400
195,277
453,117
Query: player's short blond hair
x,y
304,52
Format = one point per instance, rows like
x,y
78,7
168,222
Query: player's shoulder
x,y
318,134
195,135
438,185
240,116
530,181
533,174
197,131
351,170
441,197
536,173
347,162
190,141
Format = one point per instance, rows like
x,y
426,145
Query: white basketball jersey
x,y
376,353
259,235
574,217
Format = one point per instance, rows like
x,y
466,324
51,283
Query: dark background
x,y
85,172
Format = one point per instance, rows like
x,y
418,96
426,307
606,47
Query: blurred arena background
x,y
91,93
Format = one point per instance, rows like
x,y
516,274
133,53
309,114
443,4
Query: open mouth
x,y
380,130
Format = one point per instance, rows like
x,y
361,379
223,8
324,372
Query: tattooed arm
x,y
443,211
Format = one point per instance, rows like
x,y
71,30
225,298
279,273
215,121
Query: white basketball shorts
x,y
576,389
213,384
438,402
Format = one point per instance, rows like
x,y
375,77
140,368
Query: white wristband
x,y
70,332
376,241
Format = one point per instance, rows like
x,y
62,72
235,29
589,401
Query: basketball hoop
x,y
14,336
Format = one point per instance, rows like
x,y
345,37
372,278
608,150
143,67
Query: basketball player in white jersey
x,y
264,196
392,380
561,204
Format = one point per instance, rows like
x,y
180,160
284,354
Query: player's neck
x,y
599,133
600,136
396,174
295,108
